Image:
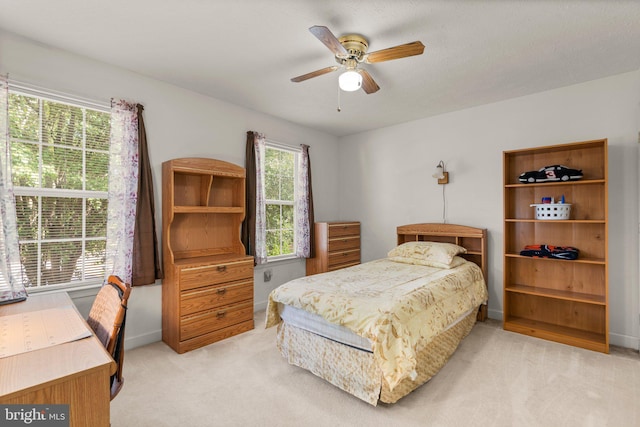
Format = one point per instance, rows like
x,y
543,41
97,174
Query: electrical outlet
x,y
267,275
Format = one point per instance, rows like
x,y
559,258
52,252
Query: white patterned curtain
x,y
261,216
123,189
304,205
11,285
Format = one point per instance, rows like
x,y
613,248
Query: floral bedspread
x,y
398,307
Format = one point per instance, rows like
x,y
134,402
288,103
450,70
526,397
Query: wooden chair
x,y
107,319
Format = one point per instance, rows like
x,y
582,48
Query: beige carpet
x,y
495,378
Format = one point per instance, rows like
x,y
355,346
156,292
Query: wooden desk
x,y
75,373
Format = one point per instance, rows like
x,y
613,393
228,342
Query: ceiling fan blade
x,y
397,52
368,84
314,74
326,36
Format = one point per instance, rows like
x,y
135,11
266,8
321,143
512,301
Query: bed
x,y
381,329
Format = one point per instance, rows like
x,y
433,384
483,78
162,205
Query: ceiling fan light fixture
x,y
350,81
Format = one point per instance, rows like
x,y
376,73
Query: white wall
x,y
385,176
179,123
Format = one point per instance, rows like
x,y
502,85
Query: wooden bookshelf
x,y
560,300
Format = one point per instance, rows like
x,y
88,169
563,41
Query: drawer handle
x,y
221,314
222,291
222,268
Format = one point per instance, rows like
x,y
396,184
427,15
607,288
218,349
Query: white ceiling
x,y
245,51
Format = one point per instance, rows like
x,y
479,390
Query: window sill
x,y
73,291
280,260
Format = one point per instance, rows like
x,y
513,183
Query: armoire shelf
x,y
206,209
565,301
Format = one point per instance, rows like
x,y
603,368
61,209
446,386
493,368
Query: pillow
x,y
431,253
457,260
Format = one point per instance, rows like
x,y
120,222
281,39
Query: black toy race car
x,y
551,173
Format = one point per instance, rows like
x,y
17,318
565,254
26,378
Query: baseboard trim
x,y
494,314
624,341
141,340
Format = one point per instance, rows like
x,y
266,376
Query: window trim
x,y
29,89
26,89
297,151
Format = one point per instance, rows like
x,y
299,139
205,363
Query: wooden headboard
x,y
474,240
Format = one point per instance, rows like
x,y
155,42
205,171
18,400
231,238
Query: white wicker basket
x,y
552,210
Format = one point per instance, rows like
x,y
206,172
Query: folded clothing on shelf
x,y
550,251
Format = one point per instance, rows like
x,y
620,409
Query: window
x,y
279,182
60,164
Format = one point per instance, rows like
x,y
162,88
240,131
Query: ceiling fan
x,y
351,50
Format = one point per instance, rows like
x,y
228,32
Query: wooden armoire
x,y
207,292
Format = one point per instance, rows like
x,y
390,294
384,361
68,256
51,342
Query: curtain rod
x,y
31,89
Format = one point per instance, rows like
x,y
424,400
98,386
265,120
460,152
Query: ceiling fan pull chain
x,y
339,109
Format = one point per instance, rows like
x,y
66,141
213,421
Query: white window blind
x,y
60,164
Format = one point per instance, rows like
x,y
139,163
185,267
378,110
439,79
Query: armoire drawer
x,y
207,321
344,229
208,297
197,276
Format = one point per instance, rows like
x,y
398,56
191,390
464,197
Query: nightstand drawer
x,y
209,297
212,320
341,266
344,257
344,243
195,277
344,229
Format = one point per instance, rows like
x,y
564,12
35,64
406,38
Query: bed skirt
x,y
355,371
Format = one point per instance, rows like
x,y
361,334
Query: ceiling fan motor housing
x,y
355,44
